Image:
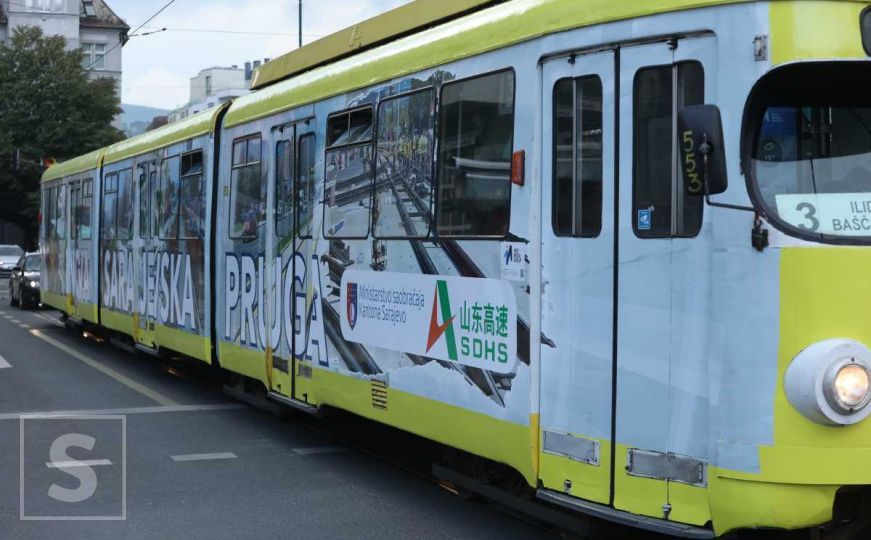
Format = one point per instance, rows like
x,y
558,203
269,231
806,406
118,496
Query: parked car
x,y
9,256
24,283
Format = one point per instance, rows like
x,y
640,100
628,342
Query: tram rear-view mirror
x,y
700,137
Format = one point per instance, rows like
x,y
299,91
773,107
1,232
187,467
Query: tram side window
x,y
108,230
153,189
247,190
125,205
348,174
658,182
84,220
284,189
61,212
75,203
192,203
52,213
144,203
577,175
43,226
305,194
402,207
476,140
167,199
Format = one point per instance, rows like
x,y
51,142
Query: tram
x,y
619,248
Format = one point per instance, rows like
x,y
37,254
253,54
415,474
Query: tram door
x,y
663,288
145,310
278,305
578,240
287,299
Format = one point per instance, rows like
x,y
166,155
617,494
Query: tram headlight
x,y
830,382
851,386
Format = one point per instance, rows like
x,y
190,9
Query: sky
x,y
206,33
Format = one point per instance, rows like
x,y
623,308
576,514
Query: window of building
x,y
50,6
402,206
208,85
192,203
284,189
144,203
94,56
305,193
88,8
476,138
661,207
167,198
126,211
577,165
348,174
247,190
108,227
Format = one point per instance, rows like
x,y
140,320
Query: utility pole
x,y
300,24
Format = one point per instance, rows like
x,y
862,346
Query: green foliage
x,y
49,108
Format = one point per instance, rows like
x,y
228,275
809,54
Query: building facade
x,y
89,25
214,86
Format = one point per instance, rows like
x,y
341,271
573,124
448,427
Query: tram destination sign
x,y
837,214
469,321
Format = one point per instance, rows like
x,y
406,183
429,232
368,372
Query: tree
x,y
49,108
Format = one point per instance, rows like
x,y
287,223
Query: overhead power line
x,y
132,34
242,32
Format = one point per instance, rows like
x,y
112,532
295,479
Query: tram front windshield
x,y
811,156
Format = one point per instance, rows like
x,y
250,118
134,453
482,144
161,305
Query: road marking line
x,y
123,379
320,450
16,321
124,411
47,319
3,363
74,464
25,326
204,457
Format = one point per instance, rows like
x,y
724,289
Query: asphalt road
x,y
172,457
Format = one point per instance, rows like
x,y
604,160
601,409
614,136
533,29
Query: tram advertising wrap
x,y
475,228
462,320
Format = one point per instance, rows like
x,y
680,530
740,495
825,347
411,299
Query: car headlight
x,y
830,382
34,284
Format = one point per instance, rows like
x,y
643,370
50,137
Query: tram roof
x,y
479,28
202,123
404,20
87,162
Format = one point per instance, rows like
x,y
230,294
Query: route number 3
x,y
810,214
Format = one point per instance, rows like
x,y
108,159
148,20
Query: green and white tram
x,y
619,247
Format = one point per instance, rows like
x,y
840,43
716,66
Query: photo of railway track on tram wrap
x,y
400,209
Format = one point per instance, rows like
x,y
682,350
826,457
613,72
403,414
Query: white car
x,y
9,255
